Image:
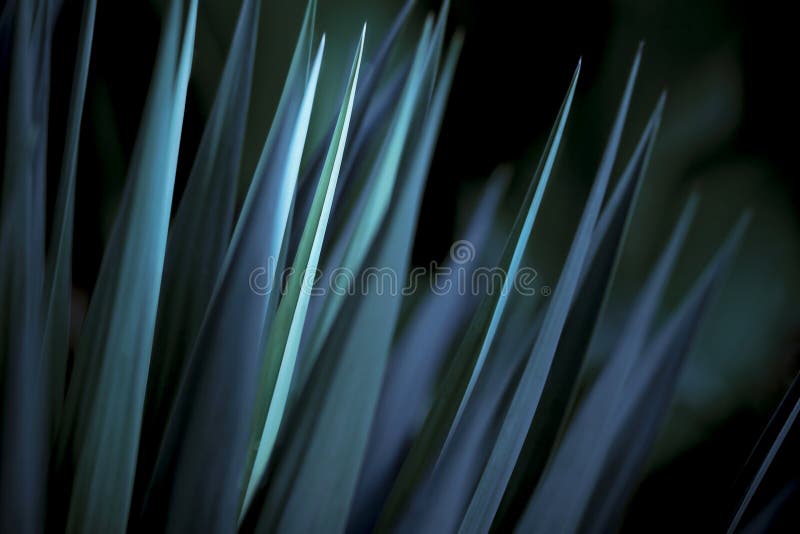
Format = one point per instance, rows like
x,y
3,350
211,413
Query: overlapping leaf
x,y
99,434
525,400
350,251
590,301
199,471
199,237
480,333
342,393
22,273
284,337
416,360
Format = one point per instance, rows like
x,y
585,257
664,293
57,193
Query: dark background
x,y
728,132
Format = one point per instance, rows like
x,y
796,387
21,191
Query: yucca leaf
x,y
649,391
525,401
480,333
341,396
596,464
416,360
439,502
58,286
284,337
596,279
378,194
360,128
202,456
103,410
786,426
23,426
199,236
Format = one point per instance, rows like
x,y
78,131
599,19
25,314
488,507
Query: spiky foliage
x,y
194,401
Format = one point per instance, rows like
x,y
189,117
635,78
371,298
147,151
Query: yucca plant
x,y
232,374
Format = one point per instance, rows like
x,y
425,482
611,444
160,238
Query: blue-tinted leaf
x,y
103,410
340,398
416,360
284,337
785,426
361,128
200,468
378,193
198,238
58,287
598,273
597,463
525,401
480,334
22,420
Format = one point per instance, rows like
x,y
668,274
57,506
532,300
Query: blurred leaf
x,y
58,288
774,447
597,464
22,275
198,238
525,402
102,416
416,360
476,342
590,302
200,468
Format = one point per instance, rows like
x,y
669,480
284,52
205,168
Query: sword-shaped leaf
x,y
378,194
482,329
774,447
199,236
58,287
340,398
287,327
103,410
597,464
597,278
199,472
23,430
415,363
525,401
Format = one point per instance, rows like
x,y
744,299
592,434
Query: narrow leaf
x,y
481,331
284,337
596,280
100,431
198,237
200,468
59,270
524,404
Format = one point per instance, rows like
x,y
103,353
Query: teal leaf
x,y
416,361
360,129
99,434
377,196
284,337
203,454
590,302
199,236
341,396
58,287
23,427
480,334
525,401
